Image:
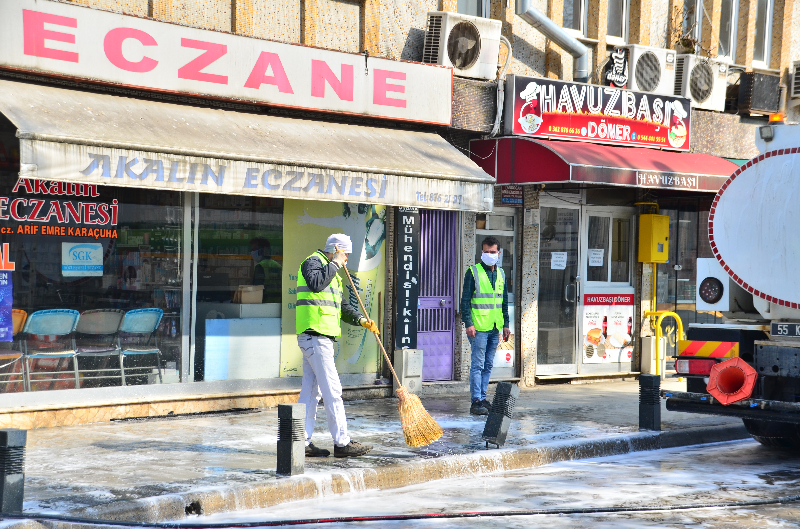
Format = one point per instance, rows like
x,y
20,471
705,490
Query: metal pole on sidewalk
x,y
649,402
12,467
291,439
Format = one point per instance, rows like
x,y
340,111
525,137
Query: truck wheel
x,y
774,434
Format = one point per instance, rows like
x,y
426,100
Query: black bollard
x,y
12,462
649,402
291,439
499,419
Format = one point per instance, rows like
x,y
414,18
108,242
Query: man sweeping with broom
x,y
319,306
320,309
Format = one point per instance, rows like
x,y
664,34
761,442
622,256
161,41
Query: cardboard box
x,y
249,294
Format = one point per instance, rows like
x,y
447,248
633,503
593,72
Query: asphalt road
x,y
724,472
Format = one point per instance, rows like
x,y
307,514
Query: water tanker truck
x,y
749,365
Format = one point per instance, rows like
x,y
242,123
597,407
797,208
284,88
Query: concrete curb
x,y
310,485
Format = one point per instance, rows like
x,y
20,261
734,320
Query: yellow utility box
x,y
653,238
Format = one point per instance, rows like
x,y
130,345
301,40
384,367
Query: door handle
x,y
442,303
566,293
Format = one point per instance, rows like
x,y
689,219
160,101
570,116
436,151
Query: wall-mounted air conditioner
x,y
759,93
702,80
651,69
794,82
471,45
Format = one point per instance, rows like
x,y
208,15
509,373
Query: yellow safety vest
x,y
487,303
319,311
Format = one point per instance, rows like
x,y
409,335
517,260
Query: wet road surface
x,y
74,467
723,472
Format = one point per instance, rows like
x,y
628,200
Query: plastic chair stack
x,y
140,324
48,335
96,338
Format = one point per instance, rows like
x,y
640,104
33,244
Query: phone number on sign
x,y
438,197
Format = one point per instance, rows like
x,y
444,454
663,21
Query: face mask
x,y
256,256
490,259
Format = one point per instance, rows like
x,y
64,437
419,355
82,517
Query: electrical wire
x,y
401,517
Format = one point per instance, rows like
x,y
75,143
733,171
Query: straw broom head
x,y
419,428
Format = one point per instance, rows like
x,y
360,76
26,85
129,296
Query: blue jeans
x,y
484,346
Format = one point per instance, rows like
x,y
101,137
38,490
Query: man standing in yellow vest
x,y
320,309
484,311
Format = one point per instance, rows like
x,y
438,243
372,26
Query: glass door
x,y
607,303
559,290
501,224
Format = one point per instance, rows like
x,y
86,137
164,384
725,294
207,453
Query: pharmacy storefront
x,y
148,242
598,157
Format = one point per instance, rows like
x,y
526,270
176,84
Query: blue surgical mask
x,y
256,256
489,259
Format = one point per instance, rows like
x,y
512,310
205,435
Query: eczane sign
x,y
78,42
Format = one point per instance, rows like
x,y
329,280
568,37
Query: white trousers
x,y
320,379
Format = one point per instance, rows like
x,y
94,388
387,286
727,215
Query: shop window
x,y
239,274
677,279
475,8
597,254
575,15
620,250
89,248
727,29
617,27
608,254
763,34
692,27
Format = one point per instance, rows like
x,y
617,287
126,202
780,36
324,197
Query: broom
x,y
419,428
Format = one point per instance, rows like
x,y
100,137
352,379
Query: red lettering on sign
x,y
35,35
13,209
259,74
112,45
381,87
192,69
322,73
23,182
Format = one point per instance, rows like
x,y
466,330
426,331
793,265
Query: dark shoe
x,y
478,409
488,405
313,451
353,449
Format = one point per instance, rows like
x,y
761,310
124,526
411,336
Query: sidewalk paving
x,y
157,469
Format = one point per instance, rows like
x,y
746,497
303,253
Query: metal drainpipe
x,y
559,35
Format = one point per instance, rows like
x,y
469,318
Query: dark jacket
x,y
469,289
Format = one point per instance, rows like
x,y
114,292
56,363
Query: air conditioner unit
x,y
471,45
651,69
702,80
759,93
794,82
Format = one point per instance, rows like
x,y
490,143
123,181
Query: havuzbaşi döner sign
x,y
600,114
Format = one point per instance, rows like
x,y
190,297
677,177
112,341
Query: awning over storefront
x,y
527,161
76,136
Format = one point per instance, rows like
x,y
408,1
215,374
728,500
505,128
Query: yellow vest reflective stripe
x,y
487,302
318,311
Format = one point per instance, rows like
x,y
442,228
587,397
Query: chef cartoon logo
x,y
677,128
530,115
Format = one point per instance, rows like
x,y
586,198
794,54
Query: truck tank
x,y
754,232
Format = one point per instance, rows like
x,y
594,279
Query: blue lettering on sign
x,y
81,260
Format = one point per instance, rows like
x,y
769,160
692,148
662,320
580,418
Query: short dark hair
x,y
490,241
262,245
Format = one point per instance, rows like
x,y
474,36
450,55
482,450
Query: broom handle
x,y
366,315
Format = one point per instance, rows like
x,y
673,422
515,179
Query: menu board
x,y
607,328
